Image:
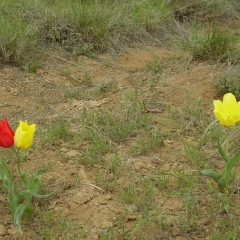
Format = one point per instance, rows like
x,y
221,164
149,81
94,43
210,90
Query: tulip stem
x,y
18,158
228,141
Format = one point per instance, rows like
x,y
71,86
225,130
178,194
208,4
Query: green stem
x,y
20,170
228,140
18,158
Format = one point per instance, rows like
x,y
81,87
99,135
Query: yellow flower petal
x,y
227,111
23,137
217,104
229,103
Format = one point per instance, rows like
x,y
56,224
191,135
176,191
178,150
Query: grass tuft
x,y
211,45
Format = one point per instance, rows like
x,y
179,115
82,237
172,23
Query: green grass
x,y
105,130
208,44
75,26
88,90
57,225
229,81
29,27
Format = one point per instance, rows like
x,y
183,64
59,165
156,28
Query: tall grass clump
x,y
229,81
16,40
207,44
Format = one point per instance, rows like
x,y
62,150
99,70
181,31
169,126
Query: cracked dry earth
x,y
41,97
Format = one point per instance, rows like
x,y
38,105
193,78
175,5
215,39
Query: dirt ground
x,y
41,97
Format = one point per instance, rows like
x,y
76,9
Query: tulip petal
x,y
218,105
6,141
229,103
6,134
228,111
24,135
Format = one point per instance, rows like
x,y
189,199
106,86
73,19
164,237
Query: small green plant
x,y
230,82
56,129
143,199
51,225
192,212
212,45
146,144
17,39
156,65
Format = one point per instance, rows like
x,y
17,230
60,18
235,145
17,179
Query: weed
x,y
116,165
50,226
229,82
156,66
87,90
161,179
192,209
121,232
191,118
103,130
33,67
143,198
152,141
17,40
55,130
209,45
196,155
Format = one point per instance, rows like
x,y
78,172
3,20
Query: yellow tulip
x,y
228,111
23,137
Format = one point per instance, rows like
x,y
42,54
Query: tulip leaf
x,y
218,178
222,152
28,211
6,176
31,193
23,176
17,217
211,173
5,169
41,171
232,163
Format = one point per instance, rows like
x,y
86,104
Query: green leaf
x,y
222,152
28,211
31,193
231,164
33,185
211,173
5,169
41,171
219,179
17,217
6,176
23,177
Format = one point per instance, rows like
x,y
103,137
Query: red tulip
x,y
6,134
